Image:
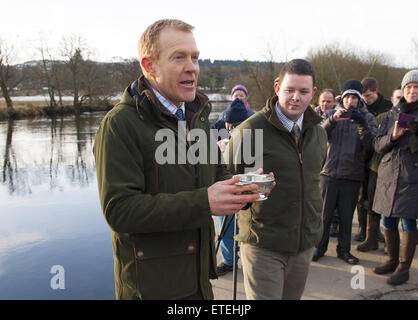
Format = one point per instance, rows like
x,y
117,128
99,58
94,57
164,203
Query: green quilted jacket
x,y
290,219
162,228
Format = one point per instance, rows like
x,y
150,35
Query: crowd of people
x,y
355,150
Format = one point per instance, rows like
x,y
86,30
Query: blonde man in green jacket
x,y
277,236
157,200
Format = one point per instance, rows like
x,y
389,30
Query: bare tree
x,y
73,48
46,74
334,65
51,74
124,72
262,75
10,77
94,83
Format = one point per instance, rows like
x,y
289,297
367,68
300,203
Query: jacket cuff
x,y
203,198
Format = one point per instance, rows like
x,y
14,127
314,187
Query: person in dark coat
x,y
326,101
397,181
350,129
375,101
369,222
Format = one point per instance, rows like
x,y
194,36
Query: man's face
x,y
240,95
350,101
326,101
176,70
396,96
410,92
370,96
295,92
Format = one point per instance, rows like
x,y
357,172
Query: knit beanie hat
x,y
239,87
352,87
411,76
236,112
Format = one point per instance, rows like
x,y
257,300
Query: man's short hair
x,y
148,45
329,90
300,67
369,83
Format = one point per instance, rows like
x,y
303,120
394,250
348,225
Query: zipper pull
x,y
300,158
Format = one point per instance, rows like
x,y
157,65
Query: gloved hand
x,y
357,116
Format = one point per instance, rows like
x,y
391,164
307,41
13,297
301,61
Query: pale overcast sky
x,y
224,29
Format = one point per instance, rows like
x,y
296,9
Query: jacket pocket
x,y
166,265
386,158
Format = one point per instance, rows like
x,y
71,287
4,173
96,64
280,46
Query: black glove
x,y
357,116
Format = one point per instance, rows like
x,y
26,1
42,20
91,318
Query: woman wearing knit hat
x,y
397,181
241,92
238,92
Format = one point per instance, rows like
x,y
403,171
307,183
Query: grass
x,y
36,109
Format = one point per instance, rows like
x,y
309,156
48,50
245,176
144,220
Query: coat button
x,y
139,255
191,248
202,119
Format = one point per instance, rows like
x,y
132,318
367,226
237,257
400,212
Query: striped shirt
x,y
167,104
287,123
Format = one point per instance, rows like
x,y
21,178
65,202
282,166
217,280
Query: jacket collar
x,y
407,107
141,88
310,117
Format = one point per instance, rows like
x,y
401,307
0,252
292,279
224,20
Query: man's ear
x,y
313,91
146,64
277,87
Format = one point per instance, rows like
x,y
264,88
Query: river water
x,y
54,241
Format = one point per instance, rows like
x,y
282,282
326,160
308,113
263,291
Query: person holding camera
x,y
397,181
351,129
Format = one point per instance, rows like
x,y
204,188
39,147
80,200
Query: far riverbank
x,y
35,107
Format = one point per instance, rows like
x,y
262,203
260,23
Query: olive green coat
x,y
290,219
162,228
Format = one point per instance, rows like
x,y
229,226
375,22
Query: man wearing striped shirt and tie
x,y
278,235
161,213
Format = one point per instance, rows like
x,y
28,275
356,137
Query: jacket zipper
x,y
302,189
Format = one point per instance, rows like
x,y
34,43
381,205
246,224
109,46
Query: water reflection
x,y
6,162
50,213
39,152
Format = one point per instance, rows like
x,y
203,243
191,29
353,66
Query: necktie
x,y
179,114
295,132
